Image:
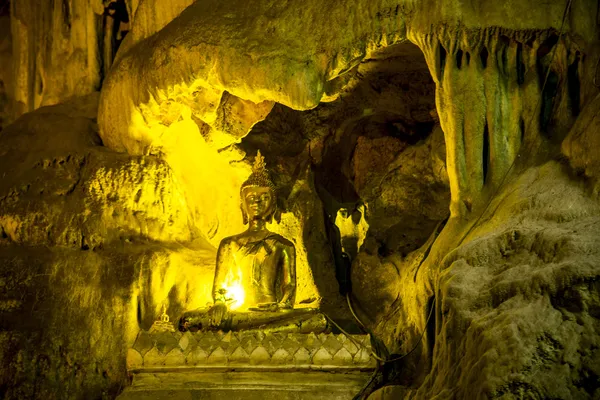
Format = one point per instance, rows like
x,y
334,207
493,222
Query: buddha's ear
x,y
276,214
244,215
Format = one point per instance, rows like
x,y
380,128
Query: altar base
x,y
247,366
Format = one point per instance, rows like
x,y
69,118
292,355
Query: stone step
x,y
245,385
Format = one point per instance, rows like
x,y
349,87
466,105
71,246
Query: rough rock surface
x,y
206,39
507,303
264,71
148,17
516,303
59,186
581,145
491,103
518,300
406,194
83,311
5,71
88,253
56,51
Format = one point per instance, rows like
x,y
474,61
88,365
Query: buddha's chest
x,y
258,262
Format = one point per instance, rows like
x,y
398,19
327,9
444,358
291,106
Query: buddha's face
x,y
258,202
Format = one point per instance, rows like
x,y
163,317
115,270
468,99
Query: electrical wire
x,y
353,313
418,342
366,385
373,354
356,342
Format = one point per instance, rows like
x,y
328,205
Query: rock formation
x,y
449,149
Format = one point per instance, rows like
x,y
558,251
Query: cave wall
x,y
376,157
507,72
5,70
55,50
512,272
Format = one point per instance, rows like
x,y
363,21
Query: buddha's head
x,y
258,200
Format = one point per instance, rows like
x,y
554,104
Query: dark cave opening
x,y
459,58
442,58
485,158
4,8
520,64
547,101
483,57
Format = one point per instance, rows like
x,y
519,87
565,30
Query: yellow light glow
x,y
235,294
349,228
208,173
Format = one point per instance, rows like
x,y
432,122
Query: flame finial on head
x,y
259,167
260,175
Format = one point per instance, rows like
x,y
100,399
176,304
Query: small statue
x,y
162,324
255,276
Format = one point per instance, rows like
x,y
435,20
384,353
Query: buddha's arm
x,y
218,292
288,275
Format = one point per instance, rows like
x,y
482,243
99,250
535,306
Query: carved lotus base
x,y
247,365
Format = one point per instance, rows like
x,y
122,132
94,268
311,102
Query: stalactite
x,y
488,100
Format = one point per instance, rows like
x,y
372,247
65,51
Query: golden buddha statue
x,y
255,277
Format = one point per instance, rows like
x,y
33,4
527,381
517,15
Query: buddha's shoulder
x,y
243,239
240,239
280,240
228,241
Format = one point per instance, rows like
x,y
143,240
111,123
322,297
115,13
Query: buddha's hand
x,y
284,305
184,324
217,313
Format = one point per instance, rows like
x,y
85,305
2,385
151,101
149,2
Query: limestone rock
x,y
6,95
266,70
67,64
84,310
405,189
513,294
98,274
148,17
375,296
60,187
582,142
77,326
512,300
